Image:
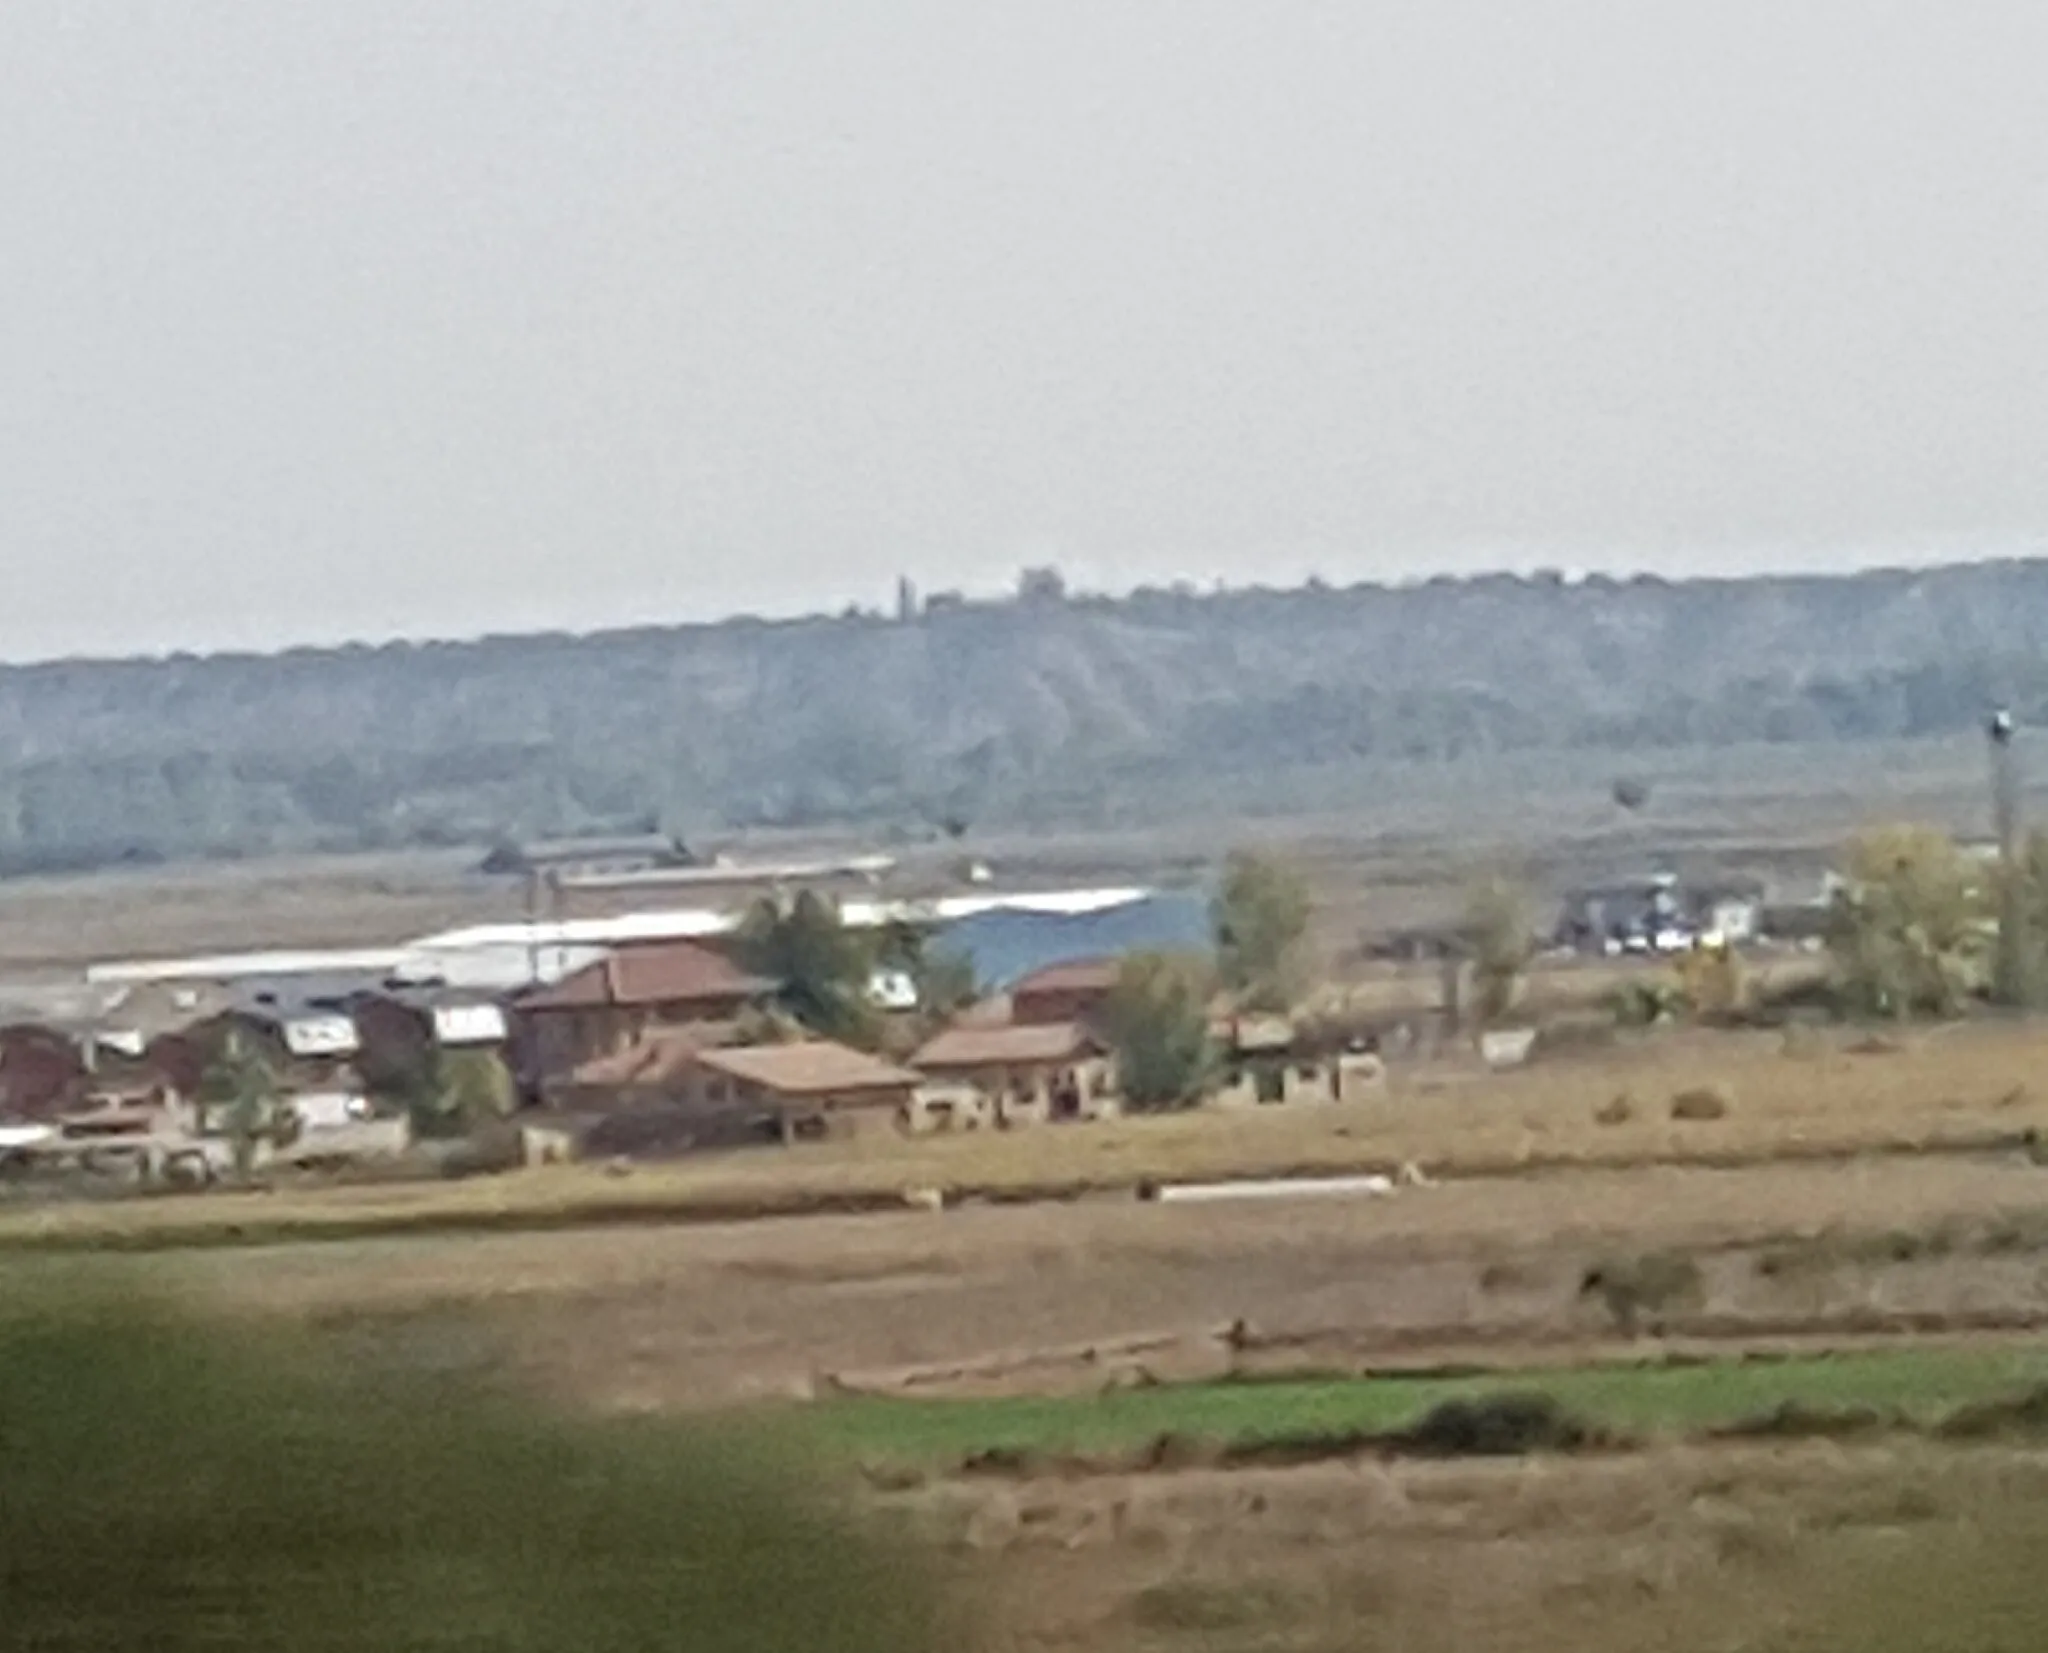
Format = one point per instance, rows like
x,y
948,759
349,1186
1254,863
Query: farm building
x,y
809,1089
1267,1061
1030,1073
606,1007
695,1094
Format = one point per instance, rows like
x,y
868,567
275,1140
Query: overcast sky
x,y
373,318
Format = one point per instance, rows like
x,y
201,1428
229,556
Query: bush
x,y
1640,1292
1496,1426
176,1486
1702,1103
1618,1110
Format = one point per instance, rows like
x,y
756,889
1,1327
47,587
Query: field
x,y
1630,1402
1394,844
1116,1424
1119,1424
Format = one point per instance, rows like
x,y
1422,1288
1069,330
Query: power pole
x,y
2014,984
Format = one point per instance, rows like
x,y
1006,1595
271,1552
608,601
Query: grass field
x,y
1922,1384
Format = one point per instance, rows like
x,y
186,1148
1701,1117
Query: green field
x,y
1923,1384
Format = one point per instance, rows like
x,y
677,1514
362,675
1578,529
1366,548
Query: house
x,y
1269,1062
42,1072
607,1006
808,1089
1030,1073
1075,991
949,1105
668,1087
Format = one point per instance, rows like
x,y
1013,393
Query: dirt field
x,y
996,1300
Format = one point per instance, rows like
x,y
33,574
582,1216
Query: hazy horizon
x,y
882,604
371,323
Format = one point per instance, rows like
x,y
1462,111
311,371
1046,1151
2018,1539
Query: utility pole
x,y
2014,984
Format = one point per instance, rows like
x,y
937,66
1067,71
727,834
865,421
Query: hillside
x,y
1051,708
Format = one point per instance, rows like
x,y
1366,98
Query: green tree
x,y
821,969
1502,940
242,1094
1157,1018
1260,919
457,1092
1910,930
946,985
945,981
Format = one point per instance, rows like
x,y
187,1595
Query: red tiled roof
x,y
669,972
988,1047
1073,976
813,1068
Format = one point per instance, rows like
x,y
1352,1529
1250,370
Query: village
x,y
810,1002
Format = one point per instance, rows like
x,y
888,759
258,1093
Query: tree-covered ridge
x,y
1037,708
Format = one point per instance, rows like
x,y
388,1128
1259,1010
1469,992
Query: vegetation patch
x,y
1583,1408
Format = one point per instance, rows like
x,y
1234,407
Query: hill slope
x,y
1054,708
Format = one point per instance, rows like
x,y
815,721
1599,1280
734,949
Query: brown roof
x,y
813,1068
988,1047
668,972
1073,976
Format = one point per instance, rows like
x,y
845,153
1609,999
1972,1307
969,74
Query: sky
x,y
327,321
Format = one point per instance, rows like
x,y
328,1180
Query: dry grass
x,y
664,1316
1810,1548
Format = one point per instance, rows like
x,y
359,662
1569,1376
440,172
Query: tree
x,y
1502,941
821,969
1910,930
2032,873
1157,1018
1260,918
242,1085
460,1091
946,984
945,981
1712,981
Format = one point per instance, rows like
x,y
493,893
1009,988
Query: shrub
x,y
1496,1426
1642,1292
1618,1110
1702,1103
